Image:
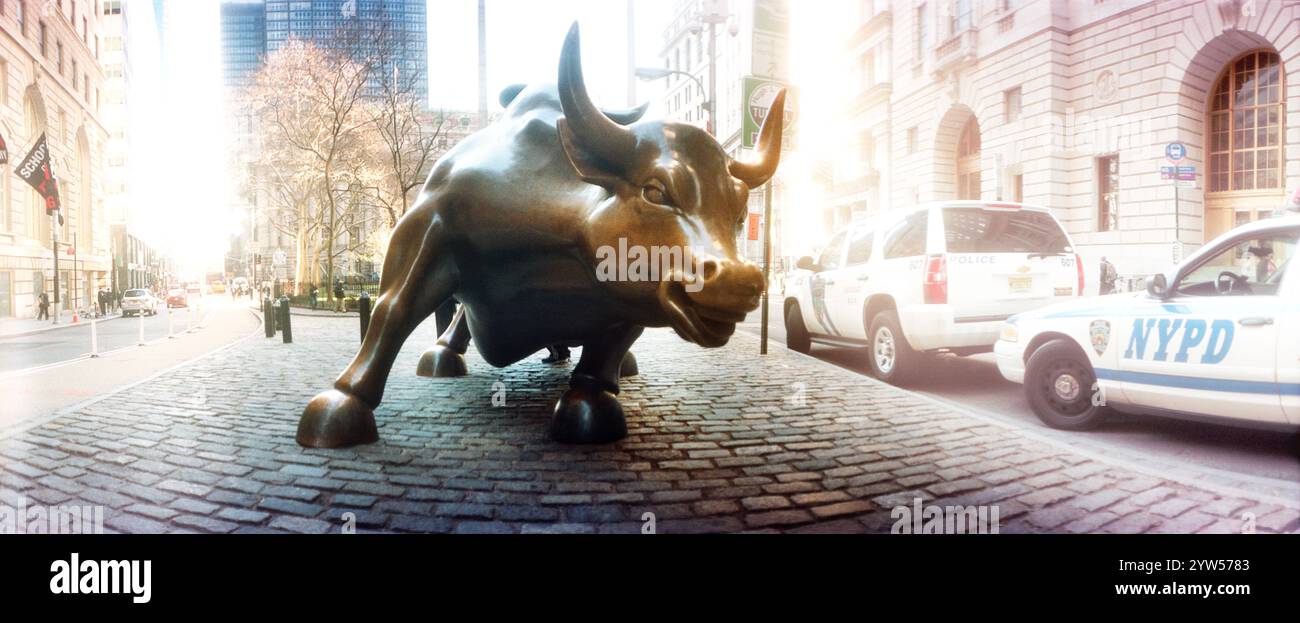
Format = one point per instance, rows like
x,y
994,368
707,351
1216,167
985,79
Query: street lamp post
x,y
659,73
713,13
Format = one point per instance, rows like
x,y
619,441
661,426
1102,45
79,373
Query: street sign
x,y
758,95
1175,151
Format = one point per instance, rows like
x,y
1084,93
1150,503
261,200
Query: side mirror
x,y
806,263
1158,286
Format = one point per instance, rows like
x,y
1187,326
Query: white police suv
x,y
1218,336
935,277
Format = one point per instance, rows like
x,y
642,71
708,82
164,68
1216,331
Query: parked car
x,y
136,302
935,277
176,297
1217,336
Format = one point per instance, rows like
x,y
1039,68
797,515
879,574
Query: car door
x,y
1212,346
822,285
853,283
1288,347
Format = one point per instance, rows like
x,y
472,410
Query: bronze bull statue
x,y
514,223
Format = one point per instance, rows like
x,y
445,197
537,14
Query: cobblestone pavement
x,y
720,441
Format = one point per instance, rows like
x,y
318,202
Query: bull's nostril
x,y
709,270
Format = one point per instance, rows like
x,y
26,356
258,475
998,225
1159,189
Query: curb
x,y
1115,457
27,425
57,327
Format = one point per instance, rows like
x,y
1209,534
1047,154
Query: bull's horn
x,y
627,116
768,150
594,132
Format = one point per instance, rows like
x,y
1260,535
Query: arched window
x,y
968,161
1246,113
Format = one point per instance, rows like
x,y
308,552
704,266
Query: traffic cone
x,y
74,317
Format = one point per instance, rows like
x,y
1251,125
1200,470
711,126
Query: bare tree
x,y
312,122
408,135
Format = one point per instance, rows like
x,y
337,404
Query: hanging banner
x,y
35,169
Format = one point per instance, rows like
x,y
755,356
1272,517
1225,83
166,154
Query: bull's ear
x,y
591,168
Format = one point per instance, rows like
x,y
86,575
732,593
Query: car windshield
x,y
977,230
131,294
1247,266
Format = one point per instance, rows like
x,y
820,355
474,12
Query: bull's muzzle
x,y
705,306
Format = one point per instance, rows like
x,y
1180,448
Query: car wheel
x,y
892,358
1059,384
796,334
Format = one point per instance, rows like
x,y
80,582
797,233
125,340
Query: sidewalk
x,y
720,441
14,327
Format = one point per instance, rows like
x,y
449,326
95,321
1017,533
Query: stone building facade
x,y
1071,104
50,82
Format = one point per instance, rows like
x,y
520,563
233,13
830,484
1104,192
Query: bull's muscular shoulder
x,y
520,151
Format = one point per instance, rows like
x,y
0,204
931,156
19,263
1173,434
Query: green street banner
x,y
758,96
35,169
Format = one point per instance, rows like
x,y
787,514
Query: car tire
x,y
892,359
1059,383
796,334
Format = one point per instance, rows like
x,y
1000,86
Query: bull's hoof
x,y
587,415
629,367
334,419
441,362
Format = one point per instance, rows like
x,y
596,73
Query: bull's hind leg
x,y
447,358
589,412
629,367
416,281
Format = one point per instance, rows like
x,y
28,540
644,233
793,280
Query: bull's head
x,y
673,193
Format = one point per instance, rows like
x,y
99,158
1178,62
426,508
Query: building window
x,y
1246,112
913,140
1108,193
968,162
922,32
1018,188
41,33
58,47
961,17
866,71
1011,104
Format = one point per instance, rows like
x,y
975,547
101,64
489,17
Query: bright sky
x,y
187,205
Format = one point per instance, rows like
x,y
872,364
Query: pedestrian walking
x,y
314,291
1108,277
43,302
103,303
557,354
338,295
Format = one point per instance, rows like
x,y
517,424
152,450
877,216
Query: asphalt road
x,y
71,342
974,383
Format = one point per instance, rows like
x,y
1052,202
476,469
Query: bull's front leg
x,y
417,279
447,358
589,412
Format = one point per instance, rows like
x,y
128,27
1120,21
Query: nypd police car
x,y
1218,336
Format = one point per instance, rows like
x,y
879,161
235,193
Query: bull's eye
x,y
656,194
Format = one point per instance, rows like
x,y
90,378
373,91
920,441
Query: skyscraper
x,y
243,41
250,30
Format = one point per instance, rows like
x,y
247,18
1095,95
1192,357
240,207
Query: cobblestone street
x,y
720,441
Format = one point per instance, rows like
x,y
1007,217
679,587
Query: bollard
x,y
286,324
189,319
94,338
268,317
141,343
170,332
363,306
